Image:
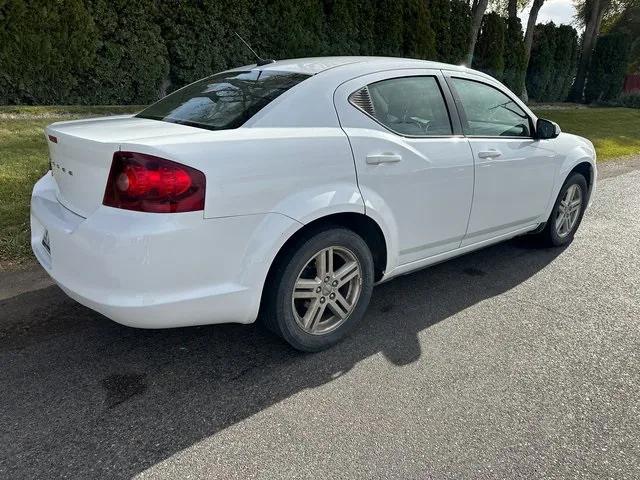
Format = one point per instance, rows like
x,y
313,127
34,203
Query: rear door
x,y
514,172
412,161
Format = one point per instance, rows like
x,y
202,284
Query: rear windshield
x,y
222,101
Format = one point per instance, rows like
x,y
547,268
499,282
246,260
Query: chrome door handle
x,y
489,154
383,158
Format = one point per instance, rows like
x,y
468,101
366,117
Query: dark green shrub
x,y
388,28
134,51
514,58
419,39
195,40
567,63
608,67
45,49
489,52
541,63
343,32
441,24
131,62
630,100
460,26
553,62
366,27
286,29
563,66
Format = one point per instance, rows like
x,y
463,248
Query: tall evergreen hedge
x,y
514,57
441,25
608,67
130,56
563,66
418,36
135,51
489,54
460,28
46,49
553,62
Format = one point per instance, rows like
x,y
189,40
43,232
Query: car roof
x,y
315,65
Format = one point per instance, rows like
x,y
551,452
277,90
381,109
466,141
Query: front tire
x,y
567,212
319,293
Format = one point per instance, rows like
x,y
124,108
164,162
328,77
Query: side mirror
x,y
546,129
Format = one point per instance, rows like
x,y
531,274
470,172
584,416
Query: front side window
x,y
489,112
411,106
223,101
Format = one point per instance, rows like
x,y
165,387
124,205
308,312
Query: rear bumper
x,y
157,270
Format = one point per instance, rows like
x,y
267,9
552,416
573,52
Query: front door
x,y
514,172
413,164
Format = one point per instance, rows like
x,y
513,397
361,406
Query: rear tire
x,y
567,212
319,292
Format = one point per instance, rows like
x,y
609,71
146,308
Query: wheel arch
x,y
359,223
586,169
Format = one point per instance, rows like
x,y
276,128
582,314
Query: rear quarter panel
x,y
303,173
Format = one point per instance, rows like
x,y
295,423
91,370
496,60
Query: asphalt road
x,y
511,362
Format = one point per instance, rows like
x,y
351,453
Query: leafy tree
x,y
590,14
489,56
608,67
477,18
528,35
628,23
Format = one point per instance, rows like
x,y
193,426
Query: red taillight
x,y
146,183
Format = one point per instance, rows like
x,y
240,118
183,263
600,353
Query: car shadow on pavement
x,y
85,397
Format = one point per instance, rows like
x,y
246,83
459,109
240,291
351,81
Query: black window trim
x,y
463,115
456,129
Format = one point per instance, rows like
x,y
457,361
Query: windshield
x,y
223,101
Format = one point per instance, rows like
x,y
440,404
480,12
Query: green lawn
x,y
23,155
23,159
615,132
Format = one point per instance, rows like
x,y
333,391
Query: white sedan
x,y
286,191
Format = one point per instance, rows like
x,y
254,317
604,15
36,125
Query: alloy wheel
x,y
569,211
327,290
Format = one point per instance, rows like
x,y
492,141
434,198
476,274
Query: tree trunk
x,y
512,9
588,43
477,13
531,26
528,40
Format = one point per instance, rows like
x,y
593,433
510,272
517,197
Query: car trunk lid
x,y
81,153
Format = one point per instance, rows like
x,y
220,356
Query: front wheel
x,y
319,294
567,212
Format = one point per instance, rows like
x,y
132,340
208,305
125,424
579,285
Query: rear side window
x,y
489,112
223,101
411,106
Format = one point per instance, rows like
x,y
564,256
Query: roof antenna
x,y
261,61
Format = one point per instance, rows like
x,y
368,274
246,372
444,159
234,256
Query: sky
x,y
556,11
